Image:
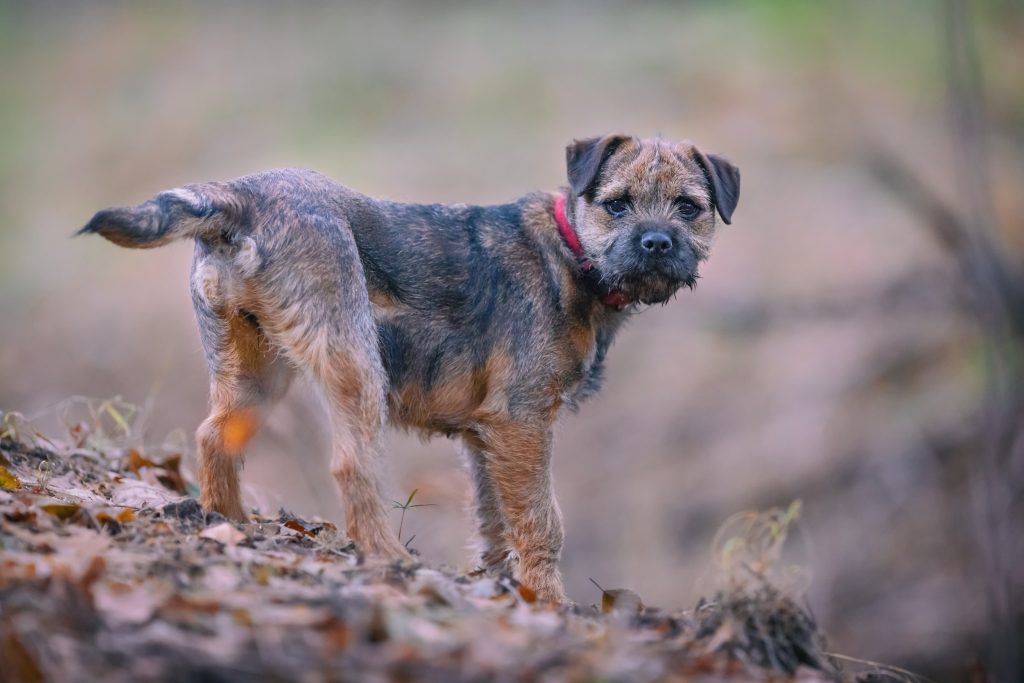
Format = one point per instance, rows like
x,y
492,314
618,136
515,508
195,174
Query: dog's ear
x,y
724,180
584,158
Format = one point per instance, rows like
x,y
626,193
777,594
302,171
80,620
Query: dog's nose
x,y
656,243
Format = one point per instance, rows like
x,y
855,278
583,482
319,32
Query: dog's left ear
x,y
584,158
724,179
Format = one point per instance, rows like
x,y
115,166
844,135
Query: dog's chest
x,y
587,380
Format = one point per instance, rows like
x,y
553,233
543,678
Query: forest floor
x,y
110,570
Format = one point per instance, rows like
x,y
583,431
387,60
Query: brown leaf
x,y
172,462
241,616
21,514
16,656
295,525
135,461
105,518
79,432
178,603
337,635
171,476
167,472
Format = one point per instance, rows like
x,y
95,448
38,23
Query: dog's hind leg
x,y
353,384
348,369
247,377
320,315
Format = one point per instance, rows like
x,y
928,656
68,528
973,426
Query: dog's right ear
x,y
584,158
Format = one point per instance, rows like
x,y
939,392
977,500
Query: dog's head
x,y
644,210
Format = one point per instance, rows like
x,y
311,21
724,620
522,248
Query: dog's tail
x,y
192,211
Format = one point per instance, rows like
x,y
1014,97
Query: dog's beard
x,y
646,280
654,288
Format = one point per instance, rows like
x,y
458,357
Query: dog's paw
x,y
546,586
382,546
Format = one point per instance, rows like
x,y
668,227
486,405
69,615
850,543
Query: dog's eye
x,y
687,209
617,207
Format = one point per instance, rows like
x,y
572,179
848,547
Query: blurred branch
x,y
990,276
934,214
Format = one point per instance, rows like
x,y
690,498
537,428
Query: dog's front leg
x,y
493,549
518,459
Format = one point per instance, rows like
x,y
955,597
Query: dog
x,y
480,322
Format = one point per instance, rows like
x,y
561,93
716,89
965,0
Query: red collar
x,y
615,298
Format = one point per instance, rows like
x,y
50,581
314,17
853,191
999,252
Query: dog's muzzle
x,y
652,264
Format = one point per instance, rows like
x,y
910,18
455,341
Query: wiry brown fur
x,y
476,322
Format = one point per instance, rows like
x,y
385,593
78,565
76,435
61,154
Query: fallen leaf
x,y
137,494
295,525
167,472
21,513
182,604
261,573
61,511
79,432
105,518
224,533
171,474
621,600
337,635
135,461
241,616
126,604
8,481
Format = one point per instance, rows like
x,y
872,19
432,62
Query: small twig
x,y
884,667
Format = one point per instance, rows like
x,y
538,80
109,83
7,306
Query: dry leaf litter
x,y
110,571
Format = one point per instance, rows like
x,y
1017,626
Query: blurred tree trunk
x,y
998,297
994,283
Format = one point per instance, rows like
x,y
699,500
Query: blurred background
x,y
853,343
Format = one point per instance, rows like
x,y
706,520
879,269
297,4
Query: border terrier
x,y
481,322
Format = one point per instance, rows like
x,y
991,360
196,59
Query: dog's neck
x,y
614,298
